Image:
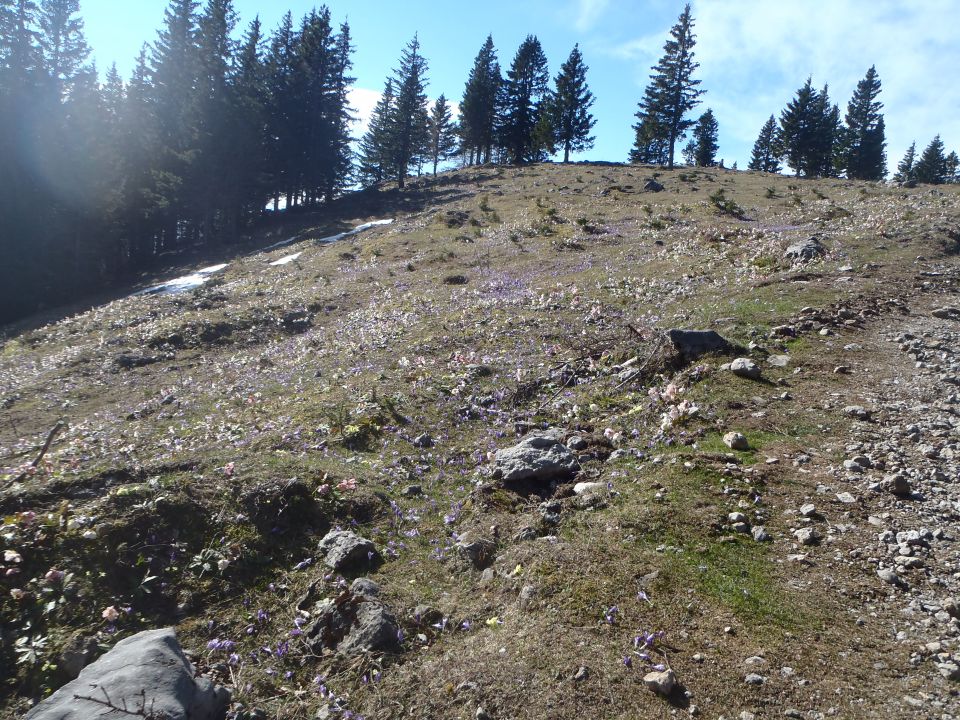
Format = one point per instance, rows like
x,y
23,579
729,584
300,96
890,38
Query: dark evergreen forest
x,y
220,125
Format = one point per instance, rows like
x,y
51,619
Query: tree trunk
x,y
566,153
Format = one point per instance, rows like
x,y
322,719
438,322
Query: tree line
x,y
103,179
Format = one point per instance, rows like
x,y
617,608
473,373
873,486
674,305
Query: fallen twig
x,y
43,451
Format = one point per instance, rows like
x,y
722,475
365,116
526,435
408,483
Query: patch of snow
x,y
280,244
357,229
184,282
287,259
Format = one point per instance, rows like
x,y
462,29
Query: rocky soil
x,y
475,464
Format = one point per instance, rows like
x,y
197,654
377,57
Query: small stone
x,y
344,549
754,679
577,442
412,490
481,714
423,441
736,517
857,411
780,361
846,498
808,510
760,534
661,683
736,441
889,576
581,674
745,368
949,669
747,715
841,370
807,536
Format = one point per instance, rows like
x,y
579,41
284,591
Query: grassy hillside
x,y
211,438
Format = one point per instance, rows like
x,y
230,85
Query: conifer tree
x,y
765,155
443,140
952,165
800,124
524,92
375,144
705,140
479,107
570,108
906,172
62,44
671,94
408,135
931,168
864,156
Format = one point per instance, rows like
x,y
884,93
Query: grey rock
x,y
692,344
662,682
807,536
889,576
365,587
538,457
754,679
949,669
423,441
526,597
760,534
946,313
898,484
479,552
745,368
585,488
780,361
353,624
148,667
736,441
577,442
652,185
808,510
736,517
413,490
344,549
807,250
857,411
581,674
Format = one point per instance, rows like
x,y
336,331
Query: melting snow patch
x,y
287,259
357,229
184,282
280,244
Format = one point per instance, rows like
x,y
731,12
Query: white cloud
x,y
588,12
754,54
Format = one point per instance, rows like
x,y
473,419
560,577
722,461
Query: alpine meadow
x,y
332,389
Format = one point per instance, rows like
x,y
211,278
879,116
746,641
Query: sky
x,y
753,54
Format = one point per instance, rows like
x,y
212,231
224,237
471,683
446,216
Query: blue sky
x,y
754,54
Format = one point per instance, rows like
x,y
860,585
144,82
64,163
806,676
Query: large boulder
x,y
539,457
147,674
344,550
806,250
692,344
355,622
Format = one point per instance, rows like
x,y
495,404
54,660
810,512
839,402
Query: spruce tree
x,y
952,166
374,146
864,156
443,141
931,168
62,44
671,94
765,156
705,140
801,122
408,135
479,107
906,172
282,140
524,91
571,105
